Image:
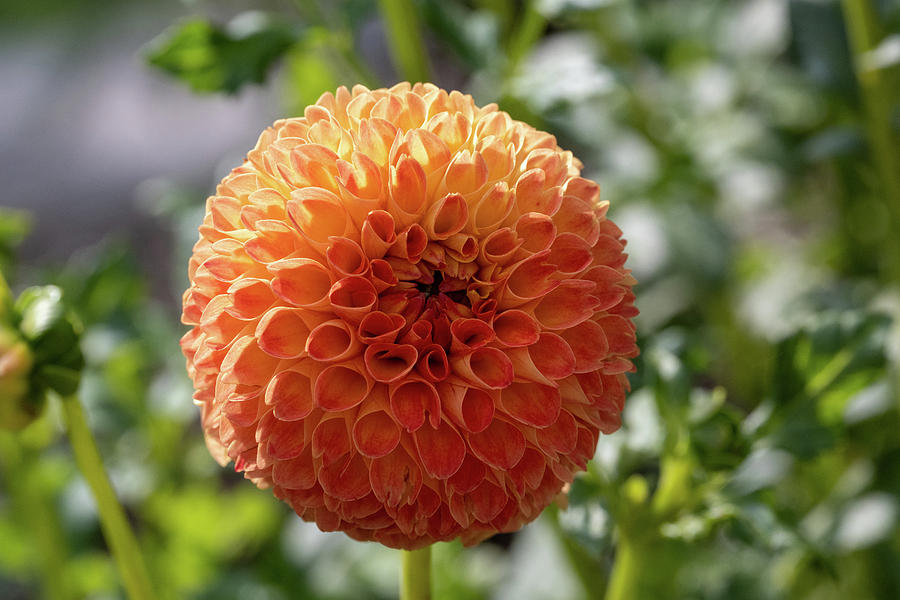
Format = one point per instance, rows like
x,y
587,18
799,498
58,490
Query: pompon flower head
x,y
410,317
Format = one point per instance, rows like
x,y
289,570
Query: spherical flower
x,y
410,317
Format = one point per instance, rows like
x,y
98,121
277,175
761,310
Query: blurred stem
x,y
5,294
340,40
405,39
673,492
115,526
878,99
40,519
415,574
525,35
627,571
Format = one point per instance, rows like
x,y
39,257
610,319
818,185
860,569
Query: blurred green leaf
x,y
14,227
215,59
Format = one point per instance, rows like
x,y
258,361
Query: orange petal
x,y
426,148
468,335
296,473
346,479
433,364
285,439
274,240
515,328
529,471
282,333
578,217
396,478
377,233
493,209
547,360
352,298
567,305
619,334
220,325
318,214
315,164
461,247
301,281
410,243
561,436
407,199
527,280
468,476
331,440
534,404
466,173
485,367
332,341
501,445
346,258
588,343
339,387
247,364
472,410
570,254
410,400
446,217
250,298
390,362
380,327
499,247
375,434
442,450
383,276
536,231
290,393
487,501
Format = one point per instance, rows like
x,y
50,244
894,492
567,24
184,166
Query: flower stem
x,y
405,39
115,526
626,574
415,574
878,101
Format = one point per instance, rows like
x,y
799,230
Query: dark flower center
x,y
434,288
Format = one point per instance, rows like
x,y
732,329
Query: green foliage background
x,y
750,152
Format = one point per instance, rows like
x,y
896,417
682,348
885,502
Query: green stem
x,y
415,574
339,40
627,572
878,99
405,39
115,526
526,34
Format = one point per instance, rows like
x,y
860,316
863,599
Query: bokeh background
x,y
750,152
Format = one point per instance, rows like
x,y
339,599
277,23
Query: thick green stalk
x,y
115,526
878,100
405,39
627,572
415,574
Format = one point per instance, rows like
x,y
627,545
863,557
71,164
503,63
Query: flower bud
x,y
16,360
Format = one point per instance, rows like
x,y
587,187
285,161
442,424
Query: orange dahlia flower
x,y
409,317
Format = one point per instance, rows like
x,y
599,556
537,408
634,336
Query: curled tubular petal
x,y
410,317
